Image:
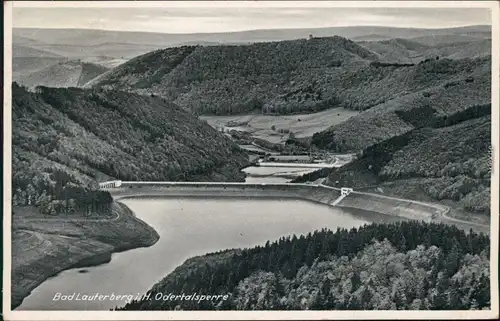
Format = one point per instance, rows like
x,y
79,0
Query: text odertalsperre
x,y
147,296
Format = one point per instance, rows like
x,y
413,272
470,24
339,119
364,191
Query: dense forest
x,y
286,77
66,140
457,98
445,163
404,265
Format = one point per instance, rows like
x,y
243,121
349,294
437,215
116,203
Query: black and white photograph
x,y
250,160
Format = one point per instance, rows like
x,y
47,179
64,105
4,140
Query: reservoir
x,y
188,227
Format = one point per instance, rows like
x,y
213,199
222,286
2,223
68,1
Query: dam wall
x,y
315,193
295,191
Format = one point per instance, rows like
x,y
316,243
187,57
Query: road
x,y
59,219
444,210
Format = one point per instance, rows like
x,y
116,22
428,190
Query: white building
x,y
110,184
344,191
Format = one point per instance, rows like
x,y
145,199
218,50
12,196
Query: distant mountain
x,y
90,37
471,49
71,73
397,49
21,51
371,37
440,40
412,50
22,66
84,43
112,48
73,138
109,49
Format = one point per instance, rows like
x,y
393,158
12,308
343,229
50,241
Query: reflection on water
x,y
188,227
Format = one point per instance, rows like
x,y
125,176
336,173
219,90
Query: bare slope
x,y
71,73
27,51
22,66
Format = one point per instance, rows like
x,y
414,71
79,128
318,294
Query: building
x,y
344,191
110,184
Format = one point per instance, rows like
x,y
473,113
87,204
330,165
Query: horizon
x,y
233,19
250,30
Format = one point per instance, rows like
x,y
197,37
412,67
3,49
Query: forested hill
x,y
467,88
68,139
399,266
240,78
450,163
286,77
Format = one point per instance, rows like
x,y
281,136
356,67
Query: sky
x,y
206,18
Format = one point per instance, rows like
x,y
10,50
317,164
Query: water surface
x,y
188,227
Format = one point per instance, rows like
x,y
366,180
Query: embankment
x,y
316,193
42,248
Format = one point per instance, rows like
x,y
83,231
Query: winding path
x,y
59,219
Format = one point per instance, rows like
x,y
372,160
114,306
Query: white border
x,y
245,315
254,4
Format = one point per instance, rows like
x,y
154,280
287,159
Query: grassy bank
x,y
411,189
45,246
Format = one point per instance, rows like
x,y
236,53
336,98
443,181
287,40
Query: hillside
x,y
439,40
465,50
435,89
397,49
195,78
450,163
374,267
70,73
88,43
414,51
22,66
65,140
300,76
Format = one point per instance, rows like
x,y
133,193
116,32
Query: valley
x,y
402,116
275,128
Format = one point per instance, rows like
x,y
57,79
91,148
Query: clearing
x,y
302,125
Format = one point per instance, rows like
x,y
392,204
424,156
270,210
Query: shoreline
x,y
354,204
94,251
370,202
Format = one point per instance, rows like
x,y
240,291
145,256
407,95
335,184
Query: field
x,y
302,125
